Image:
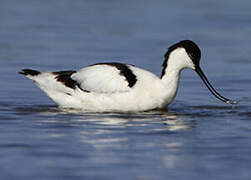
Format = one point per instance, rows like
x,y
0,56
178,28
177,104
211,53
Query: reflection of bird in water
x,y
175,123
117,87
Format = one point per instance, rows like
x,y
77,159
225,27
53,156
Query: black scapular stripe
x,y
124,71
65,78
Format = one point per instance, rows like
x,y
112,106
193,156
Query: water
x,y
198,138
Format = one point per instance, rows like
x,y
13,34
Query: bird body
x,y
117,87
101,93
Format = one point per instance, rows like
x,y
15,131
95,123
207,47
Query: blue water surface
x,y
198,138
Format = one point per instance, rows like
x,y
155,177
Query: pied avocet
x,y
117,87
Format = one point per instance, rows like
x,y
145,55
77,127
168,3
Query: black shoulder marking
x,y
124,71
65,78
29,72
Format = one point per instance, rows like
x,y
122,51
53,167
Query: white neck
x,y
177,61
171,81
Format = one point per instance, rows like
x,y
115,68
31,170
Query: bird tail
x,y
29,72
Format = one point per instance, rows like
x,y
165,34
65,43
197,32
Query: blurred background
x,y
202,138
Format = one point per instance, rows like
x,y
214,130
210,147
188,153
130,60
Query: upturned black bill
x,y
210,87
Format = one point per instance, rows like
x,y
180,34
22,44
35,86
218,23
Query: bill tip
x,y
231,102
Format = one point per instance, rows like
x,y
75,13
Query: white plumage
x,y
101,78
116,87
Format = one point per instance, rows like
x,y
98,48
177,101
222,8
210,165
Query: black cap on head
x,y
191,48
194,53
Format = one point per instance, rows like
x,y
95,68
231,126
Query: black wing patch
x,y
124,71
30,72
65,78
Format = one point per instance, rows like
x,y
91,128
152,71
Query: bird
x,y
118,87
